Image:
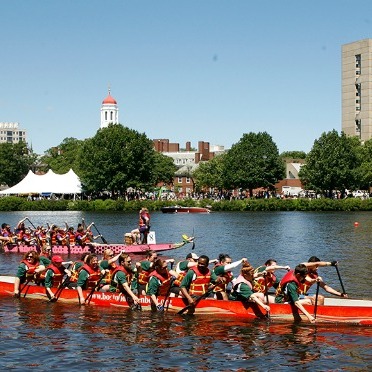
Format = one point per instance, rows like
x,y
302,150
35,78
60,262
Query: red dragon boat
x,y
334,311
100,248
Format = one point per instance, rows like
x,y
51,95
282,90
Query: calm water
x,y
44,335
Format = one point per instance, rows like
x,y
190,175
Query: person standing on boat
x,y
89,276
54,275
144,224
122,278
29,269
160,283
287,291
265,278
197,280
223,269
313,277
242,289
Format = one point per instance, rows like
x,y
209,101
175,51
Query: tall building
x,y
357,89
109,111
9,132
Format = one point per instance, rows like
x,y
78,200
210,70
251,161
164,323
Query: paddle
x,y
197,300
89,297
339,277
60,288
31,223
267,297
103,239
316,299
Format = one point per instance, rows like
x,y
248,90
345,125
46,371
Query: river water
x,y
40,335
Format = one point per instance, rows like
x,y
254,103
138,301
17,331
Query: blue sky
x,y
185,70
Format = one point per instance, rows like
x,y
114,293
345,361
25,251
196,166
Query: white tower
x,y
109,111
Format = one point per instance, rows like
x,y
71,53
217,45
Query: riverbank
x,y
303,204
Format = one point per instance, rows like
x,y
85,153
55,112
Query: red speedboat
x,y
179,209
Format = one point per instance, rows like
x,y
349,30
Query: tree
x,y
15,162
63,157
293,155
331,164
210,174
116,158
364,172
253,162
163,169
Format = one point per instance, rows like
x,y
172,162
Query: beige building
x,y
11,133
357,89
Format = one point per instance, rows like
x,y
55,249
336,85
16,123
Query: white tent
x,y
50,182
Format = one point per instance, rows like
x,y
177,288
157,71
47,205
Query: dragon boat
x,y
100,248
334,311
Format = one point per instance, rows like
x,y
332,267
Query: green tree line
x,y
117,158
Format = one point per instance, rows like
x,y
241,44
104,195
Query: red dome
x,y
109,100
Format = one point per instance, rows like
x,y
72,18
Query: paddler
x,y
287,291
313,277
242,287
265,278
160,283
30,269
122,278
197,280
89,276
54,275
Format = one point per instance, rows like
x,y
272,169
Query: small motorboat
x,y
179,209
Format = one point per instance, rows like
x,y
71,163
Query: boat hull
x,y
343,311
98,248
178,209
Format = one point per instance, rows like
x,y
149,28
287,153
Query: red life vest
x,y
181,275
201,283
53,238
71,238
94,276
30,269
303,288
109,274
259,284
75,271
128,274
58,274
221,287
287,278
165,282
144,276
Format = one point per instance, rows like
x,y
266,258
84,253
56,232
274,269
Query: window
x,y
179,179
188,180
106,115
111,115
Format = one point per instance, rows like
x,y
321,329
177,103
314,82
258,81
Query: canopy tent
x,y
68,183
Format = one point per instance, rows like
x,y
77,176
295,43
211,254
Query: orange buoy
x,y
356,224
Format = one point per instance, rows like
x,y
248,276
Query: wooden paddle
x,y
89,297
316,299
60,288
103,239
339,278
197,300
267,297
166,298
